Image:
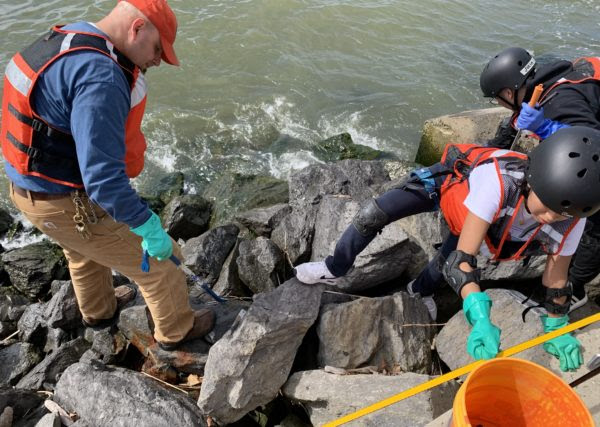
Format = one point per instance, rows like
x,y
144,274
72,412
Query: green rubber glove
x,y
566,348
155,239
484,339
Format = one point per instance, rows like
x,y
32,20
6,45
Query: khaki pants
x,y
112,246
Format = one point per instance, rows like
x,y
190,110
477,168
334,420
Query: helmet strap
x,y
516,104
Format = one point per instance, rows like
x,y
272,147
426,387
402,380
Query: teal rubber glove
x,y
155,239
484,339
566,348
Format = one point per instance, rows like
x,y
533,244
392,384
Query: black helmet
x,y
509,69
564,171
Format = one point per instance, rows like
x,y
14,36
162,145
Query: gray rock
x,y
466,127
371,332
340,147
15,361
62,311
7,329
225,316
6,221
112,396
372,267
109,345
12,307
33,267
49,369
247,367
49,420
261,221
260,264
186,216
55,337
359,179
206,254
232,192
229,282
328,397
33,325
294,234
24,404
133,323
506,314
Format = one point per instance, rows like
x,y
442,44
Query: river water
x,y
262,81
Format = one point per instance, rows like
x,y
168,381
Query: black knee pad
x,y
457,278
555,308
370,219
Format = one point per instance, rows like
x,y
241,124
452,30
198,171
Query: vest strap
x,y
41,127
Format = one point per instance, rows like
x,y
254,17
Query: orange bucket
x,y
514,392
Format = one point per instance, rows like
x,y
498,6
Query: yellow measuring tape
x,y
462,371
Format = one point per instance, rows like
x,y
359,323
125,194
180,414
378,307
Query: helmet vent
x,y
565,203
582,173
595,157
587,141
573,155
587,209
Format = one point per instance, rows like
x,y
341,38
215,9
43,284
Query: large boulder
x,y
465,127
47,372
249,364
341,147
113,396
261,221
260,264
15,361
205,254
294,234
358,179
33,267
186,216
328,397
234,192
372,331
62,311
229,282
372,267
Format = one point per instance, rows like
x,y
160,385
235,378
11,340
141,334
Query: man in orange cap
x,y
72,107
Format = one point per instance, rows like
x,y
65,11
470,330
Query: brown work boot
x,y
204,321
124,294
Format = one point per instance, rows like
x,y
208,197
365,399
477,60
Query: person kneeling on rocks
x,y
508,205
72,107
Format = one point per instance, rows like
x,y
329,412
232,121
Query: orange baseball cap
x,y
163,18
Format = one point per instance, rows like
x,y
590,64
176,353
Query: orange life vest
x,y
460,160
30,144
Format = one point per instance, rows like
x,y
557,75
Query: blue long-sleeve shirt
x,y
86,94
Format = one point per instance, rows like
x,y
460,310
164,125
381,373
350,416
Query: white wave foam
x,y
283,166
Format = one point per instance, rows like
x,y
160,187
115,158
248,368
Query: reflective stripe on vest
x,y
31,145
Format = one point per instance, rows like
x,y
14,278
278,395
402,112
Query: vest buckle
x,y
37,125
34,153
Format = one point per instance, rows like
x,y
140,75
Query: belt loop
x,y
30,197
12,189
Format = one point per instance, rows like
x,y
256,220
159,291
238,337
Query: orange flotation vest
x,y
460,160
30,144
